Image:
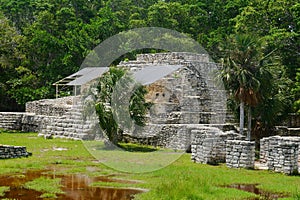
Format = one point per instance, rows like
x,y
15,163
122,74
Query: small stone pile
x,y
7,151
209,145
269,143
280,154
240,154
284,158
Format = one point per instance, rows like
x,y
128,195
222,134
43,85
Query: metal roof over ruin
x,y
144,76
83,76
151,74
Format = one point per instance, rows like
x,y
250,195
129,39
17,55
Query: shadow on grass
x,y
136,147
129,147
12,131
9,131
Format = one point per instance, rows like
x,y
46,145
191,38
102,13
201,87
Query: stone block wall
x,y
280,154
27,122
50,107
37,114
53,117
173,136
269,143
209,145
32,122
240,154
173,56
7,151
77,123
284,158
11,121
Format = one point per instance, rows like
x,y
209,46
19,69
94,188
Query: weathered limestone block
x,y
240,154
11,120
282,155
209,144
162,57
50,107
267,145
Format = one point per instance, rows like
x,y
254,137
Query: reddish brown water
x,y
254,189
76,187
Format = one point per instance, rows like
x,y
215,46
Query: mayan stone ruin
x,y
188,113
185,98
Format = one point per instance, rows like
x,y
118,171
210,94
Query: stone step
x,y
189,118
294,131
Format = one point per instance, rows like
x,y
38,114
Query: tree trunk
x,y
249,124
242,116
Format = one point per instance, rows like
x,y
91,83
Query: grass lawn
x,y
133,160
183,179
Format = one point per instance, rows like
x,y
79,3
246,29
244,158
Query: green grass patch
x,y
49,187
182,179
8,131
296,196
48,195
44,153
132,162
3,189
111,184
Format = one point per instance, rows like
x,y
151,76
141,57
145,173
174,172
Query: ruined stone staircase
x,y
72,124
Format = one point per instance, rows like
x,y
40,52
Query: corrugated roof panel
x,y
144,76
84,71
151,74
87,74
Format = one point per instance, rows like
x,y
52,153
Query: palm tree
x,y
138,107
241,66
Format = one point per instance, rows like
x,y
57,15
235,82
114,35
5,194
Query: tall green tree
x,y
244,72
10,58
55,46
296,93
278,22
20,13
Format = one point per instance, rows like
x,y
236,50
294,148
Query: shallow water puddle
x,y
75,186
254,189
